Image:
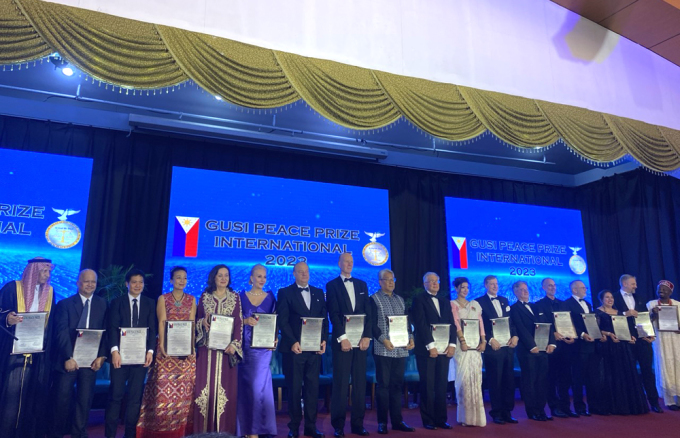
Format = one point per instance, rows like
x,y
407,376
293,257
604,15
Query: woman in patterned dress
x,y
169,392
217,370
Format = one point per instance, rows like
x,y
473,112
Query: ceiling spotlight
x,y
61,64
218,97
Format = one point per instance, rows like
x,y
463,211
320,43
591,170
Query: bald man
x,y
83,310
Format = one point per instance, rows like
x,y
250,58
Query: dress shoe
x,y
547,417
674,408
536,418
444,426
430,426
498,420
583,413
316,433
338,433
657,409
559,413
509,419
382,429
292,434
360,432
403,427
573,414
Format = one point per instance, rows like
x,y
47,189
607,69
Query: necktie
x,y
135,313
348,279
82,323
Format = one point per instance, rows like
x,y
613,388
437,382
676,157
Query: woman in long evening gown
x,y
622,393
468,359
169,391
217,370
256,413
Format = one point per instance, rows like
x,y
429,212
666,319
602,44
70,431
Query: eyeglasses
x,y
389,280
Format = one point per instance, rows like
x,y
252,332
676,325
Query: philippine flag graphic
x,y
459,253
185,241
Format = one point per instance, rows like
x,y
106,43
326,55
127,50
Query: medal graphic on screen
x,y
374,252
576,262
63,234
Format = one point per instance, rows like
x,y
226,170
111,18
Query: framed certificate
x,y
441,335
354,328
397,327
621,329
564,325
310,334
668,319
220,334
264,332
592,326
471,332
644,326
132,347
30,332
542,335
501,330
179,338
86,349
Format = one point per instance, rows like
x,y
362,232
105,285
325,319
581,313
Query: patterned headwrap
x,y
666,283
29,280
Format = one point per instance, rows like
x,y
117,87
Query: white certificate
x,y
132,346
668,318
501,330
264,332
31,333
220,334
86,349
441,334
542,335
471,332
397,329
310,334
354,328
621,329
593,329
564,325
644,326
179,338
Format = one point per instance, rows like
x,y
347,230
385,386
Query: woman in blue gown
x,y
255,407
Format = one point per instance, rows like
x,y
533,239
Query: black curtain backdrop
x,y
629,220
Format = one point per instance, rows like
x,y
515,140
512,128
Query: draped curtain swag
x,y
137,55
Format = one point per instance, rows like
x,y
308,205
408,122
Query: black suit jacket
x,y
524,321
576,310
424,313
66,317
292,307
622,307
120,315
489,313
339,305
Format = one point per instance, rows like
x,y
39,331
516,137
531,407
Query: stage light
x,y
217,97
67,71
61,64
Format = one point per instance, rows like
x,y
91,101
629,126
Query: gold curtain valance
x,y
133,54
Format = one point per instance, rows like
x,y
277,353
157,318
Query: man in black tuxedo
x,y
348,296
499,360
84,310
559,374
301,368
534,363
430,308
630,303
130,310
583,359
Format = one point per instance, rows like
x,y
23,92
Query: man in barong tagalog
x,y
24,378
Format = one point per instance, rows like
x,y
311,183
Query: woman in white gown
x,y
666,349
468,358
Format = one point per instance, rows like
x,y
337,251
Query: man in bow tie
x,y
630,303
301,368
348,296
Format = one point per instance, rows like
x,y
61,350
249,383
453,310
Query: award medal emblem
x,y
374,252
576,262
63,234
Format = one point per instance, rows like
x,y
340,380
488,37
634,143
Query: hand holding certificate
x,y
621,329
542,336
86,349
132,347
644,325
564,325
668,319
310,336
29,333
221,329
440,335
471,333
397,326
264,332
593,329
179,338
354,328
501,330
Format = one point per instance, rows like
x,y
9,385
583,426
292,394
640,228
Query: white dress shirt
x,y
629,299
139,310
349,286
35,305
496,305
89,309
528,306
307,296
435,301
583,305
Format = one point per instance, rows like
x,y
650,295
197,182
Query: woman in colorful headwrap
x,y
24,378
666,348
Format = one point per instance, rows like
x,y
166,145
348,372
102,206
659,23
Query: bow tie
x,y
304,289
351,280
494,298
628,294
526,304
581,300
